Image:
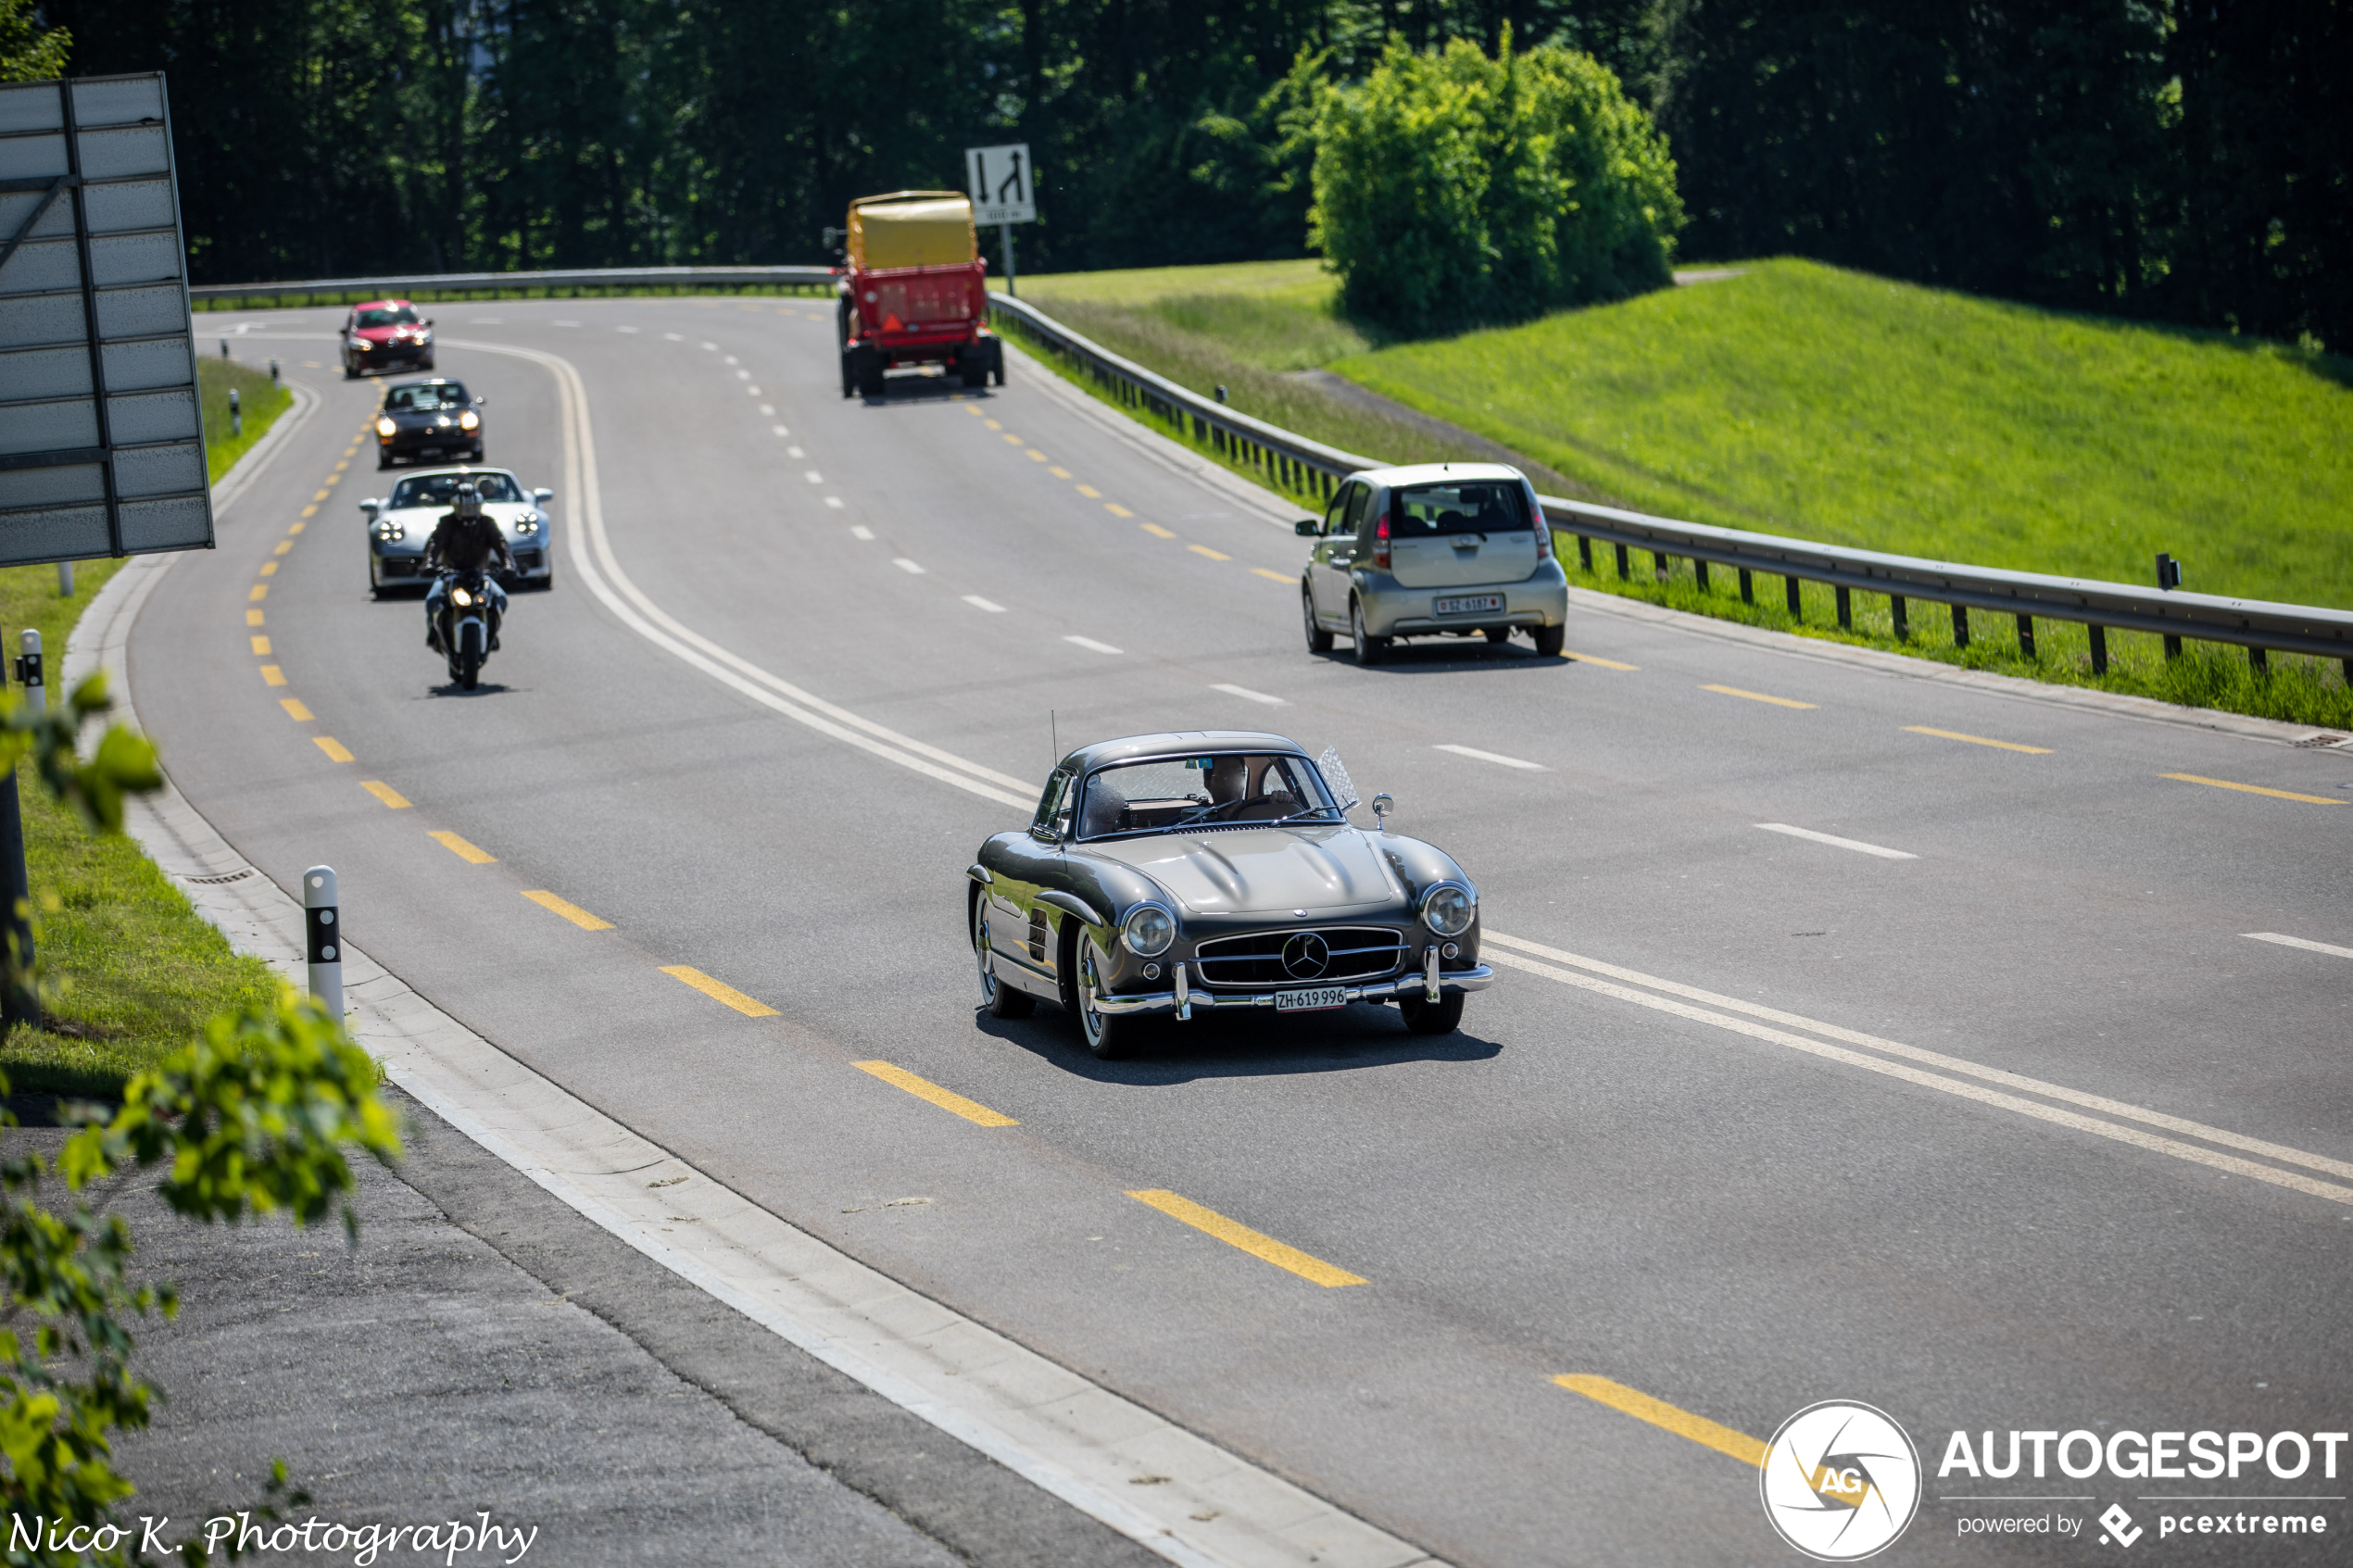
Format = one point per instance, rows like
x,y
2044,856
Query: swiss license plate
x,y
1323,998
1470,604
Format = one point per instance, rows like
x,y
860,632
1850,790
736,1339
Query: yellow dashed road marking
x,y
283,546
296,527
1757,697
472,854
261,647
2254,789
718,991
1205,550
295,710
1660,1413
1157,532
260,591
946,1099
1016,440
1090,493
270,674
1236,1234
569,910
1059,473
269,569
1978,740
253,618
1276,576
1035,456
1116,509
385,793
991,423
1604,663
331,746
311,510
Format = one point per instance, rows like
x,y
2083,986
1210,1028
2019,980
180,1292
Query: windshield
x,y
1190,792
404,317
1490,505
440,489
425,399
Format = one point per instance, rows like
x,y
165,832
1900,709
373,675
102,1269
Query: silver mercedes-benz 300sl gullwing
x,y
1166,874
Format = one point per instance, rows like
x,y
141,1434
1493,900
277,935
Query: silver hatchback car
x,y
1438,550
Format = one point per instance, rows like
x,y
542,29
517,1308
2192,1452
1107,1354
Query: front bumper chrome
x,y
1409,983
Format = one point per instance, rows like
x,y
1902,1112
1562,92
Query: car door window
x,y
1358,496
1050,806
1338,515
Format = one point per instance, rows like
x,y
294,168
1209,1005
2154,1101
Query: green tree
x,y
1452,188
30,52
247,1121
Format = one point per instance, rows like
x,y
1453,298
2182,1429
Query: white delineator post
x,y
323,920
29,670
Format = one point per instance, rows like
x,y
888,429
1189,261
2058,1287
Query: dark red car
x,y
386,335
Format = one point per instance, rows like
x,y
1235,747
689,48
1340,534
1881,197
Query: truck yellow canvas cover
x,y
910,229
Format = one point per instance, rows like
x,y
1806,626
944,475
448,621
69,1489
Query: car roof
x,y
1177,742
1423,473
385,305
465,468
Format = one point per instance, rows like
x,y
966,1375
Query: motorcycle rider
x,y
465,540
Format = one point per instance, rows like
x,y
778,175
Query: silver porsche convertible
x,y
1173,874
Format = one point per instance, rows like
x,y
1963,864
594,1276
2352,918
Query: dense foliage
x,y
2192,163
1452,188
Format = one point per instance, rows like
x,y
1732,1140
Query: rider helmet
x,y
469,499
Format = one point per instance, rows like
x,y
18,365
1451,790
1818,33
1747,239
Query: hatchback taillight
x,y
1381,542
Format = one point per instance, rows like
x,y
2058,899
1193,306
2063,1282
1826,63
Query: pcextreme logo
x,y
1841,1481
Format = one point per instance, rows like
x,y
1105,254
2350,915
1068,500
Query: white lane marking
x,y
903,564
729,360
714,347
782,431
1494,757
624,329
1089,643
791,451
813,477
1249,695
593,558
861,531
753,390
992,606
834,501
2304,943
1935,1058
766,412
1837,843
741,375
673,337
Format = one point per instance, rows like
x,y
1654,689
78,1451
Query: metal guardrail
x,y
1295,463
2255,624
482,282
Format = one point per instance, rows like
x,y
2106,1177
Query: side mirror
x,y
1308,528
428,320
1382,806
479,401
542,495
372,508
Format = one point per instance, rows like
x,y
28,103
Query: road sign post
x,y
1004,190
101,429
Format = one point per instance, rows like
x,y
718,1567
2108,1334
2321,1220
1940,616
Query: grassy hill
x,y
1798,398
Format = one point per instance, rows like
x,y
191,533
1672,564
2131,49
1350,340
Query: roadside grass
x,y
263,399
138,970
1799,399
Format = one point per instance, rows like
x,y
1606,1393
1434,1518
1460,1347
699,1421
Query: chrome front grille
x,y
1313,956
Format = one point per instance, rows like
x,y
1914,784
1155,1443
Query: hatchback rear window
x,y
1493,506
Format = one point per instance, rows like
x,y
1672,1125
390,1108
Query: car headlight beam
x,y
385,428
1148,931
1448,907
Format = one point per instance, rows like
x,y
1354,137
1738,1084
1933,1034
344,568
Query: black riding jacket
x,y
468,544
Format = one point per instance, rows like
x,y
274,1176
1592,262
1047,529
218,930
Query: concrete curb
x,y
1074,1439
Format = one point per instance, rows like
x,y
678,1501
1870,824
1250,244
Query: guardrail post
x,y
1796,606
1902,628
1960,626
1661,564
2099,650
2026,636
2173,647
1699,571
1624,565
1585,559
1845,611
1748,588
2258,662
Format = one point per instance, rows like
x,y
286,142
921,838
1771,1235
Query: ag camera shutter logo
x,y
1841,1481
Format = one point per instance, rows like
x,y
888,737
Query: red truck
x,y
915,292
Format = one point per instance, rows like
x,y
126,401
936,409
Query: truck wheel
x,y
849,373
1550,640
869,368
972,368
997,361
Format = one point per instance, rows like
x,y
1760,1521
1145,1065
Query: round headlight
x,y
1447,910
1149,931
387,429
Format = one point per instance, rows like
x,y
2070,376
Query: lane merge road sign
x,y
1002,182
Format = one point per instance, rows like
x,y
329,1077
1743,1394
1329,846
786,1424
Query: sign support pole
x,y
1012,284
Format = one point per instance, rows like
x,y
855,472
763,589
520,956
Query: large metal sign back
x,y
101,428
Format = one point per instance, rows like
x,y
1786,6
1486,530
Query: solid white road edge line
x,y
1915,1053
1495,756
1067,1436
1832,839
2305,943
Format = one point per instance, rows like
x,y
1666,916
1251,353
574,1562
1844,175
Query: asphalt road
x,y
1611,1184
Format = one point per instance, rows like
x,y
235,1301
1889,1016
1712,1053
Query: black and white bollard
x,y
236,413
36,693
324,921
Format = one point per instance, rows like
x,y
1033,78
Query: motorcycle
x,y
469,624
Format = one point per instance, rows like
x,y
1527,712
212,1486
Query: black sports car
x,y
1163,874
429,419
